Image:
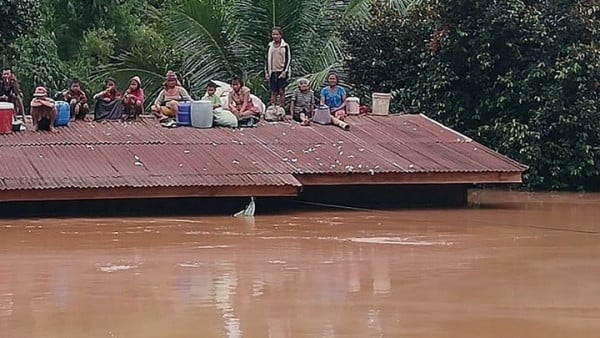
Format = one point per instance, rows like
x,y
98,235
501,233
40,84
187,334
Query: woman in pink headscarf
x,y
166,104
133,100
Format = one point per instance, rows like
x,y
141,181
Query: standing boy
x,y
277,70
77,100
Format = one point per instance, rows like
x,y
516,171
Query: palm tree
x,y
215,39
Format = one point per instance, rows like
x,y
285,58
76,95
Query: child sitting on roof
x,y
134,98
77,100
222,117
303,103
241,105
108,102
43,111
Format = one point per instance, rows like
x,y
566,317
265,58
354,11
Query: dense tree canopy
x,y
201,39
520,76
19,17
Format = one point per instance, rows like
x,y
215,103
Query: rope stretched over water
x,y
541,227
538,227
338,206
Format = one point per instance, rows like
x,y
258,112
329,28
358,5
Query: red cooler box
x,y
7,110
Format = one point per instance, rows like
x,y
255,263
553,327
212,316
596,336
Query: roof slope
x,y
143,154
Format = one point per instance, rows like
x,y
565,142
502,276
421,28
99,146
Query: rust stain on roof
x,y
143,154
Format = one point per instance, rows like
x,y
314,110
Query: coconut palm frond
x,y
198,71
198,31
149,67
300,20
403,5
330,60
359,9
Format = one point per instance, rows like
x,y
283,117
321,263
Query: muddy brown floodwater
x,y
513,265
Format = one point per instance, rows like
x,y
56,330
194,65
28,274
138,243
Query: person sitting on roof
x,y
10,92
303,103
221,117
165,106
77,100
134,98
43,111
334,97
240,102
108,102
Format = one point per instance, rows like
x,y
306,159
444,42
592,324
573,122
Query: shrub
x,y
520,76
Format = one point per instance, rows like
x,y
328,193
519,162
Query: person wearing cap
x,y
165,105
134,98
77,100
43,110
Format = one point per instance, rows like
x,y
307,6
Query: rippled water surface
x,y
513,265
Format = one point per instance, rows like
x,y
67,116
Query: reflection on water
x,y
515,265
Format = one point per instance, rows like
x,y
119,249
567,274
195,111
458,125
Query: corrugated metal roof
x,y
93,155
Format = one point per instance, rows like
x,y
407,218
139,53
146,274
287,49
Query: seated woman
x,y
303,103
334,97
108,102
165,106
240,102
77,100
43,111
134,98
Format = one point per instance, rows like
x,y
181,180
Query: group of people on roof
x,y
238,109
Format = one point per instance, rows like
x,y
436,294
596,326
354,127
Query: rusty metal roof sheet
x,y
143,154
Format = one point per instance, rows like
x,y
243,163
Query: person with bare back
x,y
11,92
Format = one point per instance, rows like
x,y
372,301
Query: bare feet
x,y
53,130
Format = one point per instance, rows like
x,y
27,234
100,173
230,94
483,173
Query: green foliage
x,y
217,39
37,64
19,17
200,39
28,49
520,76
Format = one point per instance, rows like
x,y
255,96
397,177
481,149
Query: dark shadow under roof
x,y
134,155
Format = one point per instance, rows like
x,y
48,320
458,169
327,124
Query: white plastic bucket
x,y
322,115
201,114
353,105
381,103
